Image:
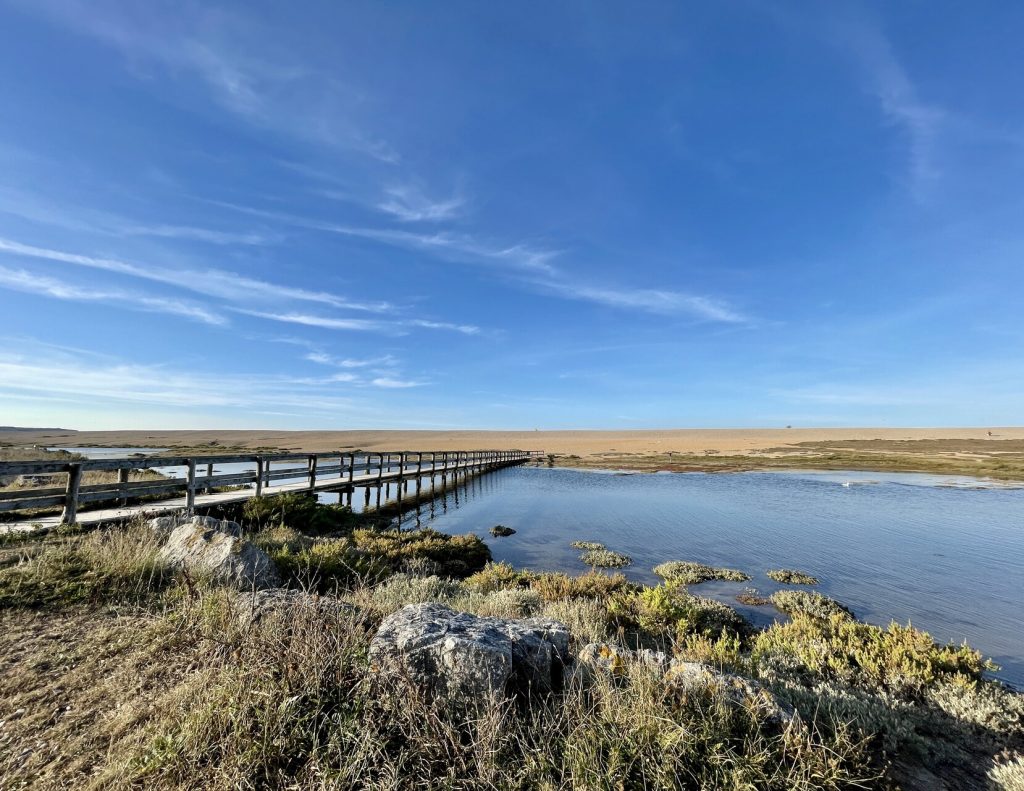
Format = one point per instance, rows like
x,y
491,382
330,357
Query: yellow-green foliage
x,y
689,573
810,603
497,576
668,609
791,577
899,659
453,556
724,652
606,559
554,586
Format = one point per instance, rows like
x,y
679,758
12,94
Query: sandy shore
x,y
581,443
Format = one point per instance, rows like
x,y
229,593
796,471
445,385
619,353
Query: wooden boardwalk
x,y
203,487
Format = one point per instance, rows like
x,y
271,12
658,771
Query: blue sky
x,y
520,215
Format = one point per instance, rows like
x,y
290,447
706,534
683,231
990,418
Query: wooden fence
x,y
291,471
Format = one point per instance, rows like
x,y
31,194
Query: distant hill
x,y
31,428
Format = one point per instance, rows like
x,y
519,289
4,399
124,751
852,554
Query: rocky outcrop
x,y
686,677
167,524
214,549
441,652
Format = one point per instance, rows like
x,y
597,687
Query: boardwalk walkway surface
x,y
248,476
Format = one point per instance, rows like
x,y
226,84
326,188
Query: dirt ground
x,y
580,443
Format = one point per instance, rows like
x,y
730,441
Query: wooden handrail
x,y
322,471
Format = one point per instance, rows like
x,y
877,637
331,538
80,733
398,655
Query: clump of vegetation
x,y
811,603
689,573
496,576
500,531
752,598
299,511
898,659
587,546
791,577
669,611
594,584
452,556
606,559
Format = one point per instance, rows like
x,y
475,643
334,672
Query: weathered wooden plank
x,y
42,502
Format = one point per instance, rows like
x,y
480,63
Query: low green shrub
x,y
300,511
606,559
791,577
810,603
452,556
586,545
555,586
669,610
497,576
689,573
899,659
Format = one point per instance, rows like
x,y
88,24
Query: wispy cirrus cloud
x,y
400,327
41,372
198,234
30,283
323,322
410,204
210,282
530,265
241,62
898,98
651,301
349,362
390,383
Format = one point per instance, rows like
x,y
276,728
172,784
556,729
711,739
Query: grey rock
x,y
745,692
463,657
223,557
164,525
596,658
223,525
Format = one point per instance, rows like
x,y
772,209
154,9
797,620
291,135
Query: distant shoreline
x,y
985,452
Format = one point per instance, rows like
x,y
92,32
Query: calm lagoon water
x,y
933,550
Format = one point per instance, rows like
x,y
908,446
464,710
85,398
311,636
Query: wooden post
x,y
259,476
351,466
71,495
312,471
268,473
122,477
209,474
190,490
380,472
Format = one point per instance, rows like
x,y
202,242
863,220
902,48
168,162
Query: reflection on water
x,y
950,560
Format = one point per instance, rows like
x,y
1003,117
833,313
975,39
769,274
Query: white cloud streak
x,y
529,265
27,282
210,282
409,204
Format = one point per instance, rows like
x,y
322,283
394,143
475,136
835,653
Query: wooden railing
x,y
316,471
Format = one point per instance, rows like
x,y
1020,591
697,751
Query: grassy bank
x,y
998,459
117,673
